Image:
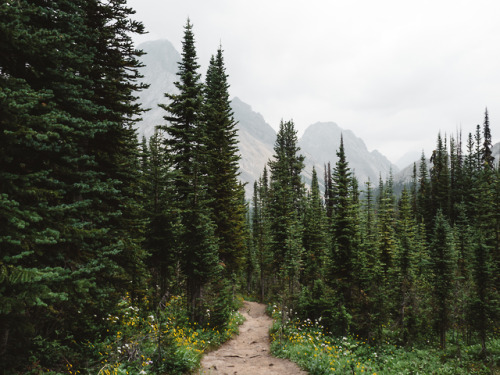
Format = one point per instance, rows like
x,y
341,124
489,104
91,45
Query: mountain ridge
x,y
319,143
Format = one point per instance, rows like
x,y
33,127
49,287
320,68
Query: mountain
x,y
408,159
256,143
159,71
319,143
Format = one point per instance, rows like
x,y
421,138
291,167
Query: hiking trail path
x,y
249,352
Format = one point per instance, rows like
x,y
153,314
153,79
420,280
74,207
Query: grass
x,y
314,350
161,343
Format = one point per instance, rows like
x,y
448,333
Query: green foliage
x,y
142,342
70,227
313,348
285,211
91,223
186,147
442,265
224,190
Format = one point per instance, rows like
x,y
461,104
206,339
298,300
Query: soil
x,y
249,352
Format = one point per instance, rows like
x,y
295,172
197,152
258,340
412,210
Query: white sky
x,y
395,72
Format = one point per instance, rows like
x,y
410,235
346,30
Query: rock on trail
x,y
249,352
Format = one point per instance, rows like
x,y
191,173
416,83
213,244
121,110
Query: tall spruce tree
x,y
406,269
424,195
187,149
224,190
370,270
442,263
456,176
343,246
440,178
315,236
482,308
486,152
163,219
65,195
286,210
260,234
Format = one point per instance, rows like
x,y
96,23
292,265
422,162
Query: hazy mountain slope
x,y
256,138
159,71
256,142
321,141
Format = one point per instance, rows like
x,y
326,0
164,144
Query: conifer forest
x,y
121,255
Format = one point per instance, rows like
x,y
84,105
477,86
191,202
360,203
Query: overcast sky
x,y
395,72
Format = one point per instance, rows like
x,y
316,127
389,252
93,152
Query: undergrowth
x,y
316,351
141,342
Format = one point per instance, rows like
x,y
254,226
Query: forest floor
x,y
249,352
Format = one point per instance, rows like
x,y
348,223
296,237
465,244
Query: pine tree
x,y
328,191
496,226
343,251
424,195
370,271
482,306
314,237
406,268
286,209
442,264
186,145
261,235
456,176
486,152
69,224
387,228
228,212
163,219
470,175
463,236
440,178
414,190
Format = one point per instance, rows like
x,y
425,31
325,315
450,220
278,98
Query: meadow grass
x,y
161,343
307,344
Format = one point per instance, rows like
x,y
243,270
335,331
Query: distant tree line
x,y
412,267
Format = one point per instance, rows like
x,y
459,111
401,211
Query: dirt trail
x,y
248,353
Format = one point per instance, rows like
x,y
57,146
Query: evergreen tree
x,y
387,229
463,235
486,153
440,178
187,149
228,212
496,235
314,237
483,299
442,264
328,191
163,220
470,175
414,190
406,268
286,209
260,233
424,194
68,203
370,270
343,251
